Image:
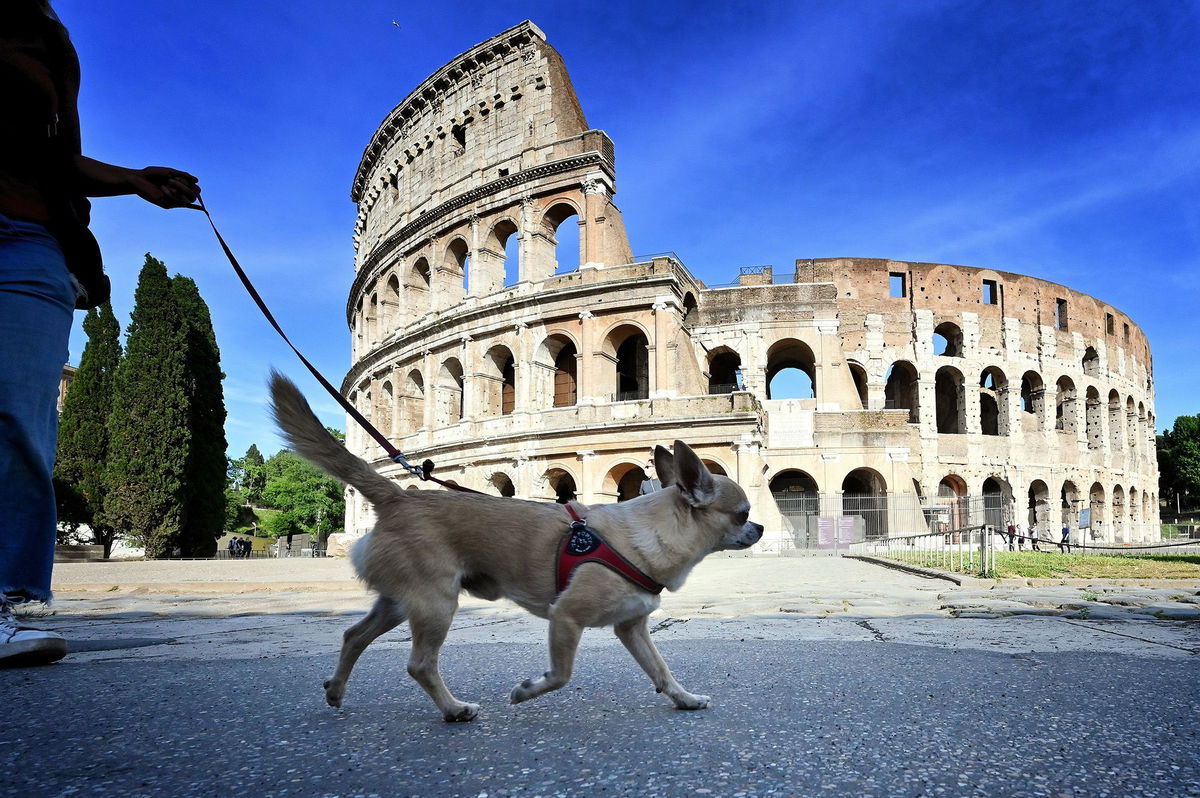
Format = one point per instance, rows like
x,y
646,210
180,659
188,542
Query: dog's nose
x,y
751,534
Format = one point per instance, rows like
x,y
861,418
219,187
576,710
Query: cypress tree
x,y
254,475
148,426
203,511
83,432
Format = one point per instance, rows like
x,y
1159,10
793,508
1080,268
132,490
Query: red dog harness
x,y
585,545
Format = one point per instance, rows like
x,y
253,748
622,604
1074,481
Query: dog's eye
x,y
741,518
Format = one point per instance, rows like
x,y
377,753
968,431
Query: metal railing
x,y
968,550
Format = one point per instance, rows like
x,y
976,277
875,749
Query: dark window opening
x,y
504,173
1110,326
897,284
460,135
1060,314
991,293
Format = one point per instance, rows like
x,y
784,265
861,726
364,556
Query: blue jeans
x,y
37,303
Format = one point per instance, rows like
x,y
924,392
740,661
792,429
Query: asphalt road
x,y
814,717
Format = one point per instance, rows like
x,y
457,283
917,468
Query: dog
x,y
428,546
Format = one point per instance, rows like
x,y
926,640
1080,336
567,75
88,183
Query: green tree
x,y
203,513
308,500
254,475
149,423
1179,463
83,441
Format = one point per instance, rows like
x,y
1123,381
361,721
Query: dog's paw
x,y
523,692
689,701
334,693
461,713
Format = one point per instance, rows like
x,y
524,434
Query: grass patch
x,y
1053,565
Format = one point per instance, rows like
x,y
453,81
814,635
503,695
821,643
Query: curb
x,y
928,573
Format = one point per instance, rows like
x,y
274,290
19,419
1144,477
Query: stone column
x,y
595,198
526,240
476,281
584,383
432,376
660,366
586,489
827,331
472,394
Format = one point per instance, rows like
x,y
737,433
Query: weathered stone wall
x,y
523,378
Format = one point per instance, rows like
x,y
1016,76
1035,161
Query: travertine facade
x,y
479,344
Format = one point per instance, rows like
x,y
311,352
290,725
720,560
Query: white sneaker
x,y
20,646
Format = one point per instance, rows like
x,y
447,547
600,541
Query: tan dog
x,y
429,545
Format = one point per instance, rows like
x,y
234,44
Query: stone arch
x,y
793,361
412,403
504,240
1091,362
952,493
689,308
502,483
391,304
948,340
1065,413
498,381
724,370
864,493
1119,523
450,396
1033,395
373,326
1115,424
456,264
859,375
714,466
1131,436
993,402
557,371
1096,505
629,347
560,484
624,481
418,286
385,403
799,503
901,390
358,327
1135,514
560,260
1038,507
1095,435
997,501
1143,438
950,405
1069,503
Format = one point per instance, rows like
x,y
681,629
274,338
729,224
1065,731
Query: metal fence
x,y
968,550
834,520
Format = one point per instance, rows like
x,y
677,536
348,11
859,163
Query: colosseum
x,y
852,398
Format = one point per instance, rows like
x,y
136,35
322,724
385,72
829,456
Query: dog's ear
x,y
664,465
693,478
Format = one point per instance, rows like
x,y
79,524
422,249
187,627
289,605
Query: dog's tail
x,y
305,434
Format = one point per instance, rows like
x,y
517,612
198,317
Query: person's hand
x,y
165,187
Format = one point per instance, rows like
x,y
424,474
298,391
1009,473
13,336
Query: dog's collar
x,y
585,545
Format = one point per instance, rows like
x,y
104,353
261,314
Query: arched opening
x,y
993,402
1135,515
1114,422
1096,508
1131,436
450,393
1143,438
501,483
391,305
1038,514
457,265
724,371
952,494
412,403
995,492
1095,437
1070,501
631,352
859,375
565,238
358,328
499,382
1091,362
791,370
625,482
864,494
1064,406
566,392
373,319
900,390
949,401
715,468
689,308
798,500
1033,395
383,409
508,241
418,286
948,340
561,485
1119,525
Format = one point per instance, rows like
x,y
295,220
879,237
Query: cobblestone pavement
x,y
829,677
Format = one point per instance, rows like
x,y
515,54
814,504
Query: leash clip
x,y
400,460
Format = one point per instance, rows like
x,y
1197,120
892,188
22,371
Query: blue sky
x,y
1055,139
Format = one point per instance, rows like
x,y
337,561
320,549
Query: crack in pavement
x,y
1131,637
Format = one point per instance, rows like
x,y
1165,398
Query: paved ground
x,y
828,676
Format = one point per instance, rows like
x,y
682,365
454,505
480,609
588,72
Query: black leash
x,y
425,470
